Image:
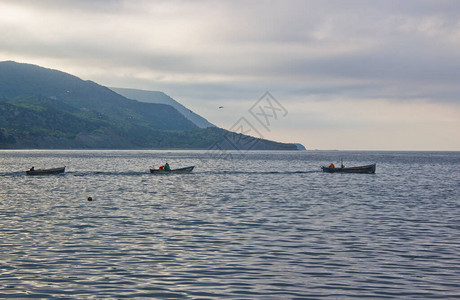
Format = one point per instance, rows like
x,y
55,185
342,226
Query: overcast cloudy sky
x,y
351,74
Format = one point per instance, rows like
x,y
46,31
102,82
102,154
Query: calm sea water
x,y
265,225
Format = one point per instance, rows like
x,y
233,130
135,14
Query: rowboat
x,y
46,171
173,171
369,169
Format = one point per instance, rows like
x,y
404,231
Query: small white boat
x,y
173,171
45,171
369,169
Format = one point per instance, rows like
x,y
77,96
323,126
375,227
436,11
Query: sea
x,y
242,225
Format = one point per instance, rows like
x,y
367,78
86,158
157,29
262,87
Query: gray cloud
x,y
413,40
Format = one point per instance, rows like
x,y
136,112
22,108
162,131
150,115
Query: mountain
x,y
86,98
162,98
300,146
49,109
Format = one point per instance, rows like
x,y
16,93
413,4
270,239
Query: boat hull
x,y
46,171
369,169
174,171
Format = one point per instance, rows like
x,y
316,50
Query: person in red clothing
x,y
331,165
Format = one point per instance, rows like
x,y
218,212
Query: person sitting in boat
x,y
331,166
161,168
32,169
167,168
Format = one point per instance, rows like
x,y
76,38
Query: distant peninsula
x,y
42,108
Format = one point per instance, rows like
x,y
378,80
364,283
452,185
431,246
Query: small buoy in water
x,y
90,198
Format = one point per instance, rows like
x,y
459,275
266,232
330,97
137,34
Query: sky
x,y
345,75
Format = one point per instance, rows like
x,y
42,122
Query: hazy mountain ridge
x,y
49,109
162,98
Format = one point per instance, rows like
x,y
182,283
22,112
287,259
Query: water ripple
x,y
244,228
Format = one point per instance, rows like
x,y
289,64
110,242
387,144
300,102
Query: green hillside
x,y
48,109
88,99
